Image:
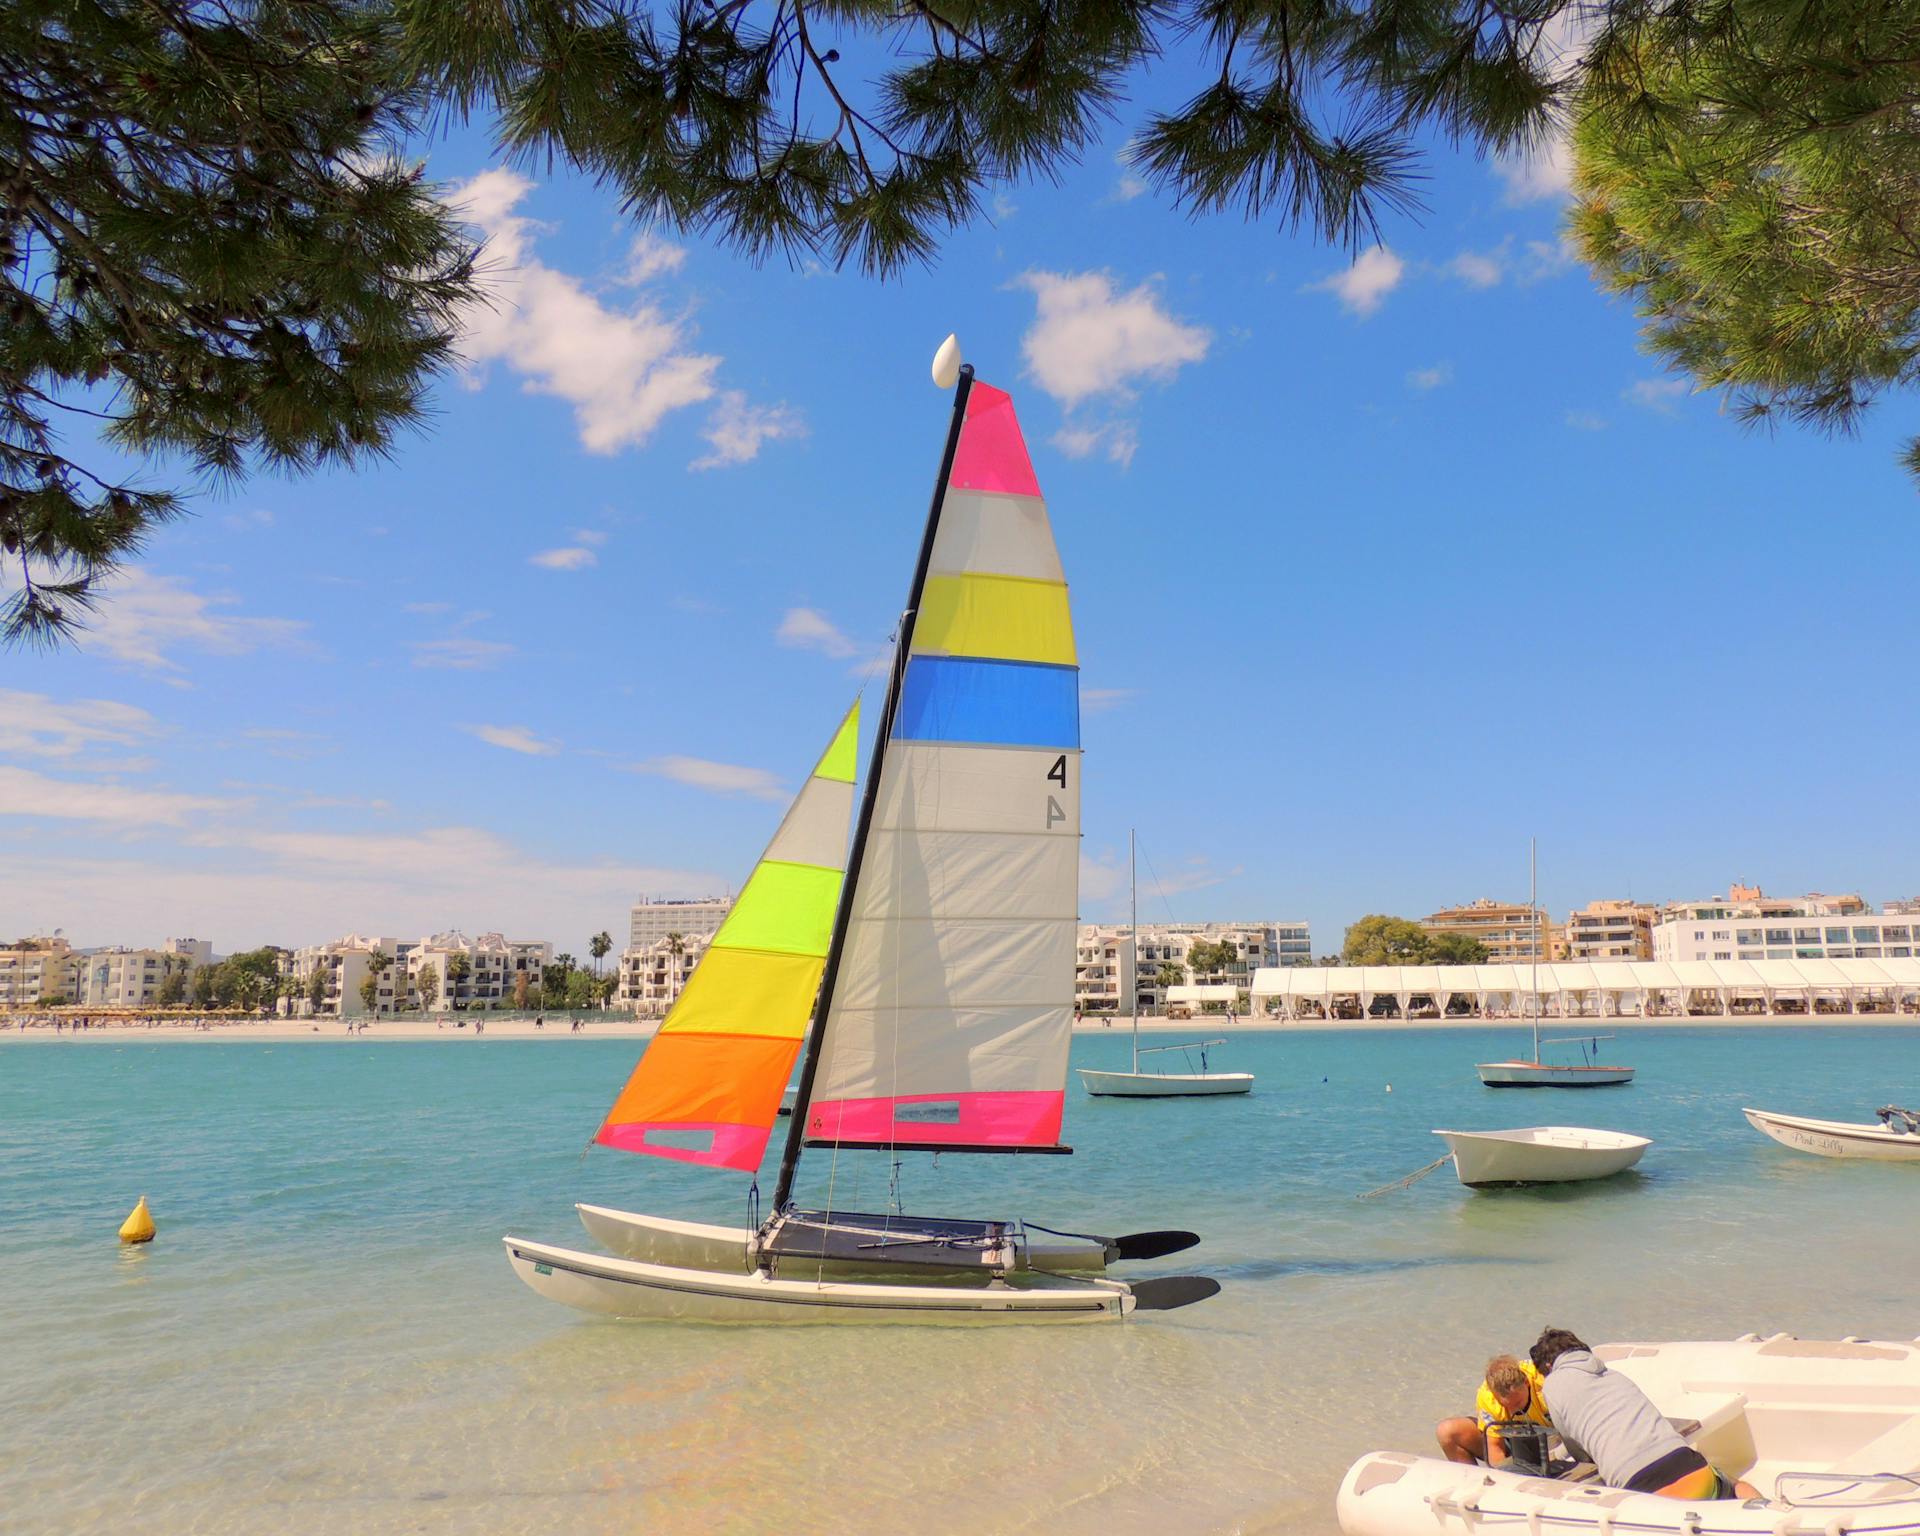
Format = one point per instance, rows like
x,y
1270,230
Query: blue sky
x,y
1379,568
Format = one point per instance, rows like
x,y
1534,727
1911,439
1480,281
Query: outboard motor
x,y
1903,1122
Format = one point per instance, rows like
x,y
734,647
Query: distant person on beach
x,y
1509,1394
1607,1420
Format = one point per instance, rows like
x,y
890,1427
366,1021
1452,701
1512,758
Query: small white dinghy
x,y
1829,1432
1541,1154
1896,1139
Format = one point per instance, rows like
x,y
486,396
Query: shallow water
x,y
326,1330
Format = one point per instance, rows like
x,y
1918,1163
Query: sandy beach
x,y
616,1027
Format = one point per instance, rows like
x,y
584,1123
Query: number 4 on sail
x,y
935,961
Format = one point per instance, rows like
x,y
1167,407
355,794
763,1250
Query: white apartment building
x,y
1107,967
652,920
652,976
35,968
1813,927
132,978
493,964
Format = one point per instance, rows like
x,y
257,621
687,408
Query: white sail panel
x,y
934,786
980,874
1007,535
993,1050
961,963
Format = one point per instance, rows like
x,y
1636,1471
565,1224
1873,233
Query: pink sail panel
x,y
1018,1119
992,455
732,1145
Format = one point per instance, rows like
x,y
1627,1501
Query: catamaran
x,y
935,960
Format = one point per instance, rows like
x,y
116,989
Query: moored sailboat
x,y
944,977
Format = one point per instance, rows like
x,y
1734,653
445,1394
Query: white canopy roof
x,y
1323,981
1206,994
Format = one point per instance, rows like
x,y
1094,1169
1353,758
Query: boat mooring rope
x,y
1413,1178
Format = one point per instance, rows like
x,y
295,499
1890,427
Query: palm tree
x,y
379,962
459,968
676,944
597,946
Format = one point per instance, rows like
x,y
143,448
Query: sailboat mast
x,y
1533,914
1133,939
903,643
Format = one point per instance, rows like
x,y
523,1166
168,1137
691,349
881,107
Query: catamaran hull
x,y
1541,1154
1163,1085
625,1288
1532,1074
1837,1138
1828,1431
698,1245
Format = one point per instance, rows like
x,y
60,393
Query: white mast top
x,y
946,363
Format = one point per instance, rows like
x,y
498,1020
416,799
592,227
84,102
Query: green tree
x,y
520,987
459,968
370,991
209,252
1171,975
1748,171
579,991
379,962
203,986
598,946
1455,949
427,981
317,988
173,984
1380,940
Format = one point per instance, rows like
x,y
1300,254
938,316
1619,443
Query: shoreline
x,y
292,1031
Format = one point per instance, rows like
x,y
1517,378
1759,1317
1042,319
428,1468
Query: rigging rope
x,y
1410,1180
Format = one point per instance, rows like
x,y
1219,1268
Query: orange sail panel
x,y
708,1088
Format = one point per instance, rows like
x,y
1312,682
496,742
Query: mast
x,y
1133,939
1533,914
843,914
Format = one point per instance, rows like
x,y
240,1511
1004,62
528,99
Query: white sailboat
x,y
938,972
1533,1072
1895,1138
1135,1084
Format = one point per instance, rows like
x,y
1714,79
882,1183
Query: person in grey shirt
x,y
1604,1418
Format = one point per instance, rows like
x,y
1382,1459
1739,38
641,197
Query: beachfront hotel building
x,y
1107,968
1609,930
1510,930
653,919
33,968
1746,925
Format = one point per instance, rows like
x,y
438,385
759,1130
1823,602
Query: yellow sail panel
x,y
708,1088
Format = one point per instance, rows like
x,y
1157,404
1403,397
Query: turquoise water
x,y
327,1333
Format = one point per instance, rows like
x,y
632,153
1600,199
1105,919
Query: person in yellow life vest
x,y
1510,1393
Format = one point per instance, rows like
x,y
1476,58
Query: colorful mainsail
x,y
951,1011
708,1088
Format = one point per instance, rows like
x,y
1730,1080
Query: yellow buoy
x,y
138,1227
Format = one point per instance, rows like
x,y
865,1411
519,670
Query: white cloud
x,y
1087,339
1586,421
26,793
247,888
1004,207
1118,440
622,369
649,256
34,725
1364,286
736,429
515,738
142,617
1479,269
808,629
1097,701
460,653
1127,188
1104,880
597,537
1430,378
1655,394
243,522
573,558
716,778
1537,174
1548,258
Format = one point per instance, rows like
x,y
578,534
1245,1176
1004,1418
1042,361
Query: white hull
x,y
1536,1074
1541,1154
1828,1432
1837,1138
626,1288
1163,1085
696,1245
